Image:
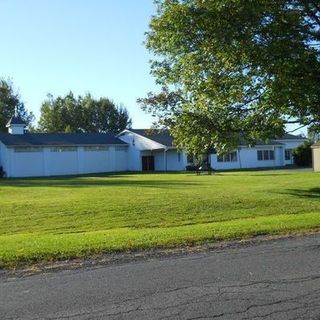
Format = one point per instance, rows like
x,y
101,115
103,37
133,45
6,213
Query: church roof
x,y
59,139
15,120
161,136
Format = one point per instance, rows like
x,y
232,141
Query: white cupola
x,y
16,125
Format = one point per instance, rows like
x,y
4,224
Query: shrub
x,y
191,167
302,155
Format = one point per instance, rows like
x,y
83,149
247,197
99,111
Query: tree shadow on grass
x,y
313,193
112,180
257,174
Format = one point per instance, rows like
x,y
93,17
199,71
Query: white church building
x,y
48,154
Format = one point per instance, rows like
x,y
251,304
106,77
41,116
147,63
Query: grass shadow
x,y
313,193
96,180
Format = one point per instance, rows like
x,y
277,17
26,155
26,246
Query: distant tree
x,y
313,136
82,114
10,104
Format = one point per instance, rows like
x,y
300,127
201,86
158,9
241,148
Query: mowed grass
x,y
46,219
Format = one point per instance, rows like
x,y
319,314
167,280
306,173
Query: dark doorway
x,y
147,163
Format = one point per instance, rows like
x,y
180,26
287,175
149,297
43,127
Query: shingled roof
x,y
289,136
15,120
59,139
161,136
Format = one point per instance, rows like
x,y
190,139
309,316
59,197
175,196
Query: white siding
x,y
136,146
160,161
140,146
121,160
176,162
316,158
3,157
2,154
62,163
95,161
247,158
50,163
290,144
27,164
224,165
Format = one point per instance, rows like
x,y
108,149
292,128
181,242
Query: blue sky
x,y
53,46
96,46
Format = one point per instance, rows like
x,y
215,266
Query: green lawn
x,y
56,218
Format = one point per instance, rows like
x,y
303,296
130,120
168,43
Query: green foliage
x,y
63,217
313,136
10,104
82,114
230,66
302,155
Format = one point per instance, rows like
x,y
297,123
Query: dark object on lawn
x,y
2,172
191,167
205,166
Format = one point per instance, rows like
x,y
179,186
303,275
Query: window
x,y
27,149
228,157
179,156
96,148
264,155
287,154
120,148
63,149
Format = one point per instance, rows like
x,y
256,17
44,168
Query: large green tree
x,y
82,114
10,104
231,66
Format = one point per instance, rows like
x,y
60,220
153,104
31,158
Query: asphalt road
x,y
273,280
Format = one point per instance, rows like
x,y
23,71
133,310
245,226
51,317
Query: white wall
x,y
3,156
49,163
316,159
140,146
247,158
121,160
173,161
160,161
62,163
223,165
93,161
135,142
290,144
25,164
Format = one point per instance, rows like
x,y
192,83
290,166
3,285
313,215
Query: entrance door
x,y
147,163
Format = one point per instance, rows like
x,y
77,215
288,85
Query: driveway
x,y
278,279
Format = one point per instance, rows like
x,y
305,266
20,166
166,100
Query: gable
x,y
139,141
162,137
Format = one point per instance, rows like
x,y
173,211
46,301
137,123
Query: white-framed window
x,y
96,148
28,149
265,155
287,154
120,148
228,157
63,149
